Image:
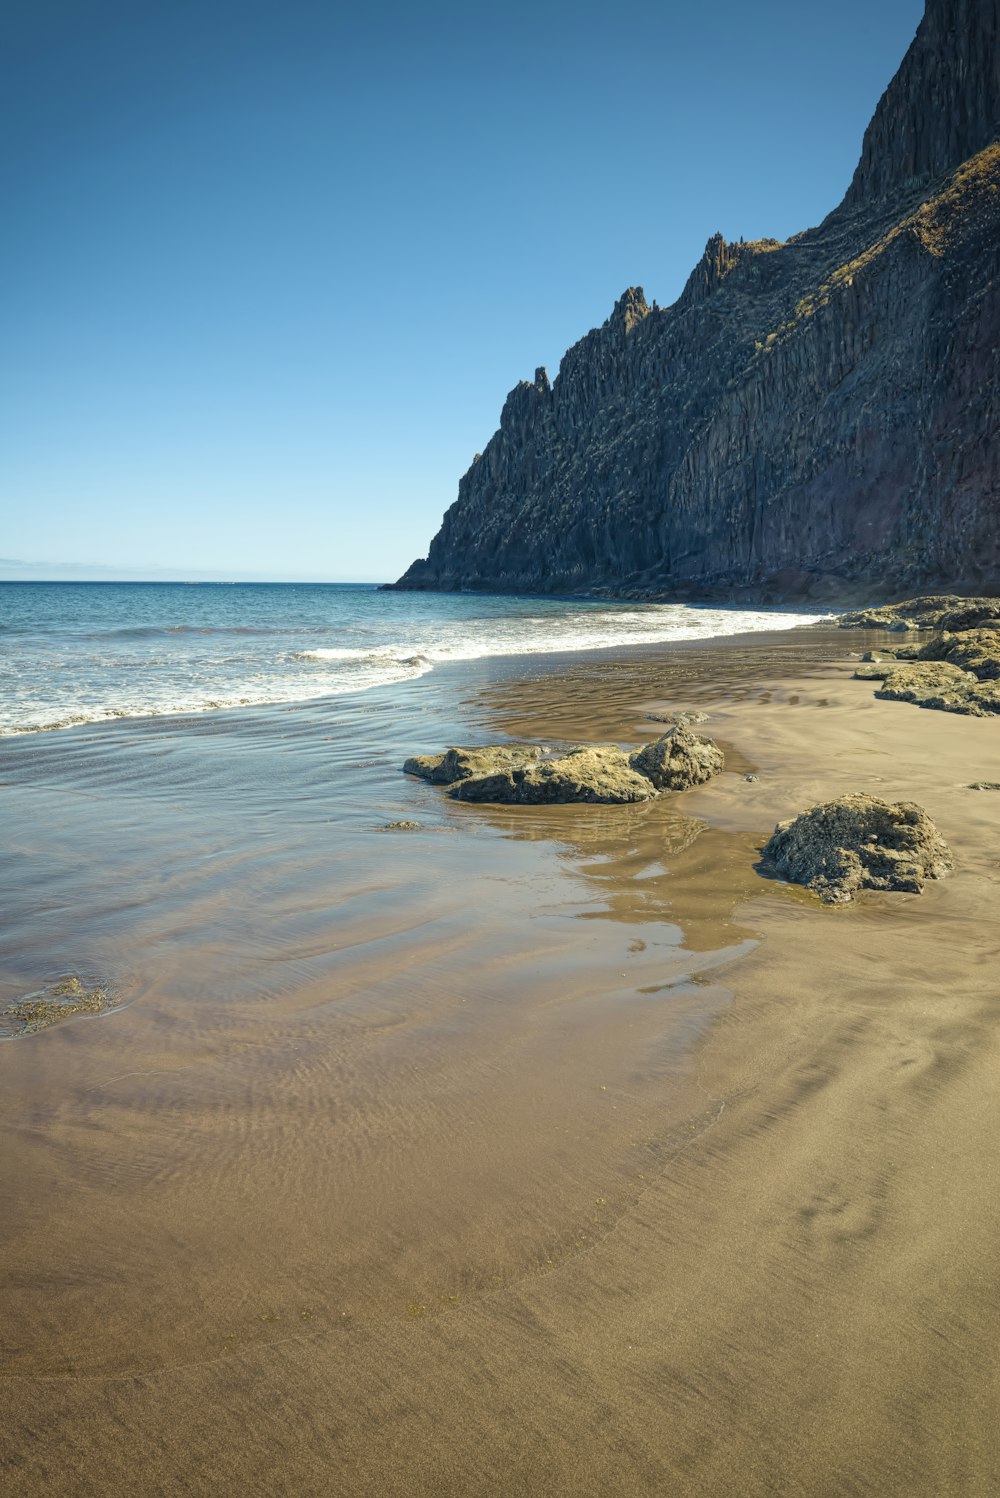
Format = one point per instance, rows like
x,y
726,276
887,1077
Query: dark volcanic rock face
x,y
941,107
814,418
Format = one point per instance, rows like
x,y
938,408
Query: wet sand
x,y
544,1150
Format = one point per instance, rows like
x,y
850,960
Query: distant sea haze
x,y
81,652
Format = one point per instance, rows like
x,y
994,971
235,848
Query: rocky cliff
x,y
813,418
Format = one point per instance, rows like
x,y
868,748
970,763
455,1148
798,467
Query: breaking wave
x,y
122,652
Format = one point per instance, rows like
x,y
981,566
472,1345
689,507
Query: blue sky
x,y
269,270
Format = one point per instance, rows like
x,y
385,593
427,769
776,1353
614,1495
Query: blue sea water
x,y
82,652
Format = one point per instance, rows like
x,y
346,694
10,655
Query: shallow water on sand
x,y
356,1072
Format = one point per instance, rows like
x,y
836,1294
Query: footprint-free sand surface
x,y
539,1151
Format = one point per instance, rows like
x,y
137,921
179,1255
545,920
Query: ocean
x,y
73,653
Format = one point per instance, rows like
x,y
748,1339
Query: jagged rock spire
x,y
630,308
942,106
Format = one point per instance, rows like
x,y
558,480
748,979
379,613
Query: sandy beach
x,y
540,1151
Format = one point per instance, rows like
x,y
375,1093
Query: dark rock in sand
x,y
598,773
858,842
463,764
985,785
678,760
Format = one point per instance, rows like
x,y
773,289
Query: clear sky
x,y
269,269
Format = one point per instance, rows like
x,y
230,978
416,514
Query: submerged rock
x,y
402,826
47,1006
463,764
858,842
597,773
678,760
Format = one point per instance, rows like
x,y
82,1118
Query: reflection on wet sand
x,y
359,1074
646,863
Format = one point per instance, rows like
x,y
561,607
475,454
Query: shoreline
x,y
407,660
781,1120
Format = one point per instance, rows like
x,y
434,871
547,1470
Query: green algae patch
x,y
48,1006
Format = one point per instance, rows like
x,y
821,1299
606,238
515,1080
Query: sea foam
x,y
73,654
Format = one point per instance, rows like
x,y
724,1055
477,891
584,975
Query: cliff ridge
x,y
811,418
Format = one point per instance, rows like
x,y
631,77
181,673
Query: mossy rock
x,y
858,842
875,670
937,684
597,773
526,774
58,1001
678,760
462,764
975,650
934,611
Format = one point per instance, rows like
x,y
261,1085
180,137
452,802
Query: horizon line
x,y
221,581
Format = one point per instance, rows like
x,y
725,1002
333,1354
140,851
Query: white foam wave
x,y
370,657
590,631
69,682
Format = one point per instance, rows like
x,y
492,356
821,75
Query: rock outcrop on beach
x,y
947,613
601,773
858,842
940,685
814,418
974,650
957,672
